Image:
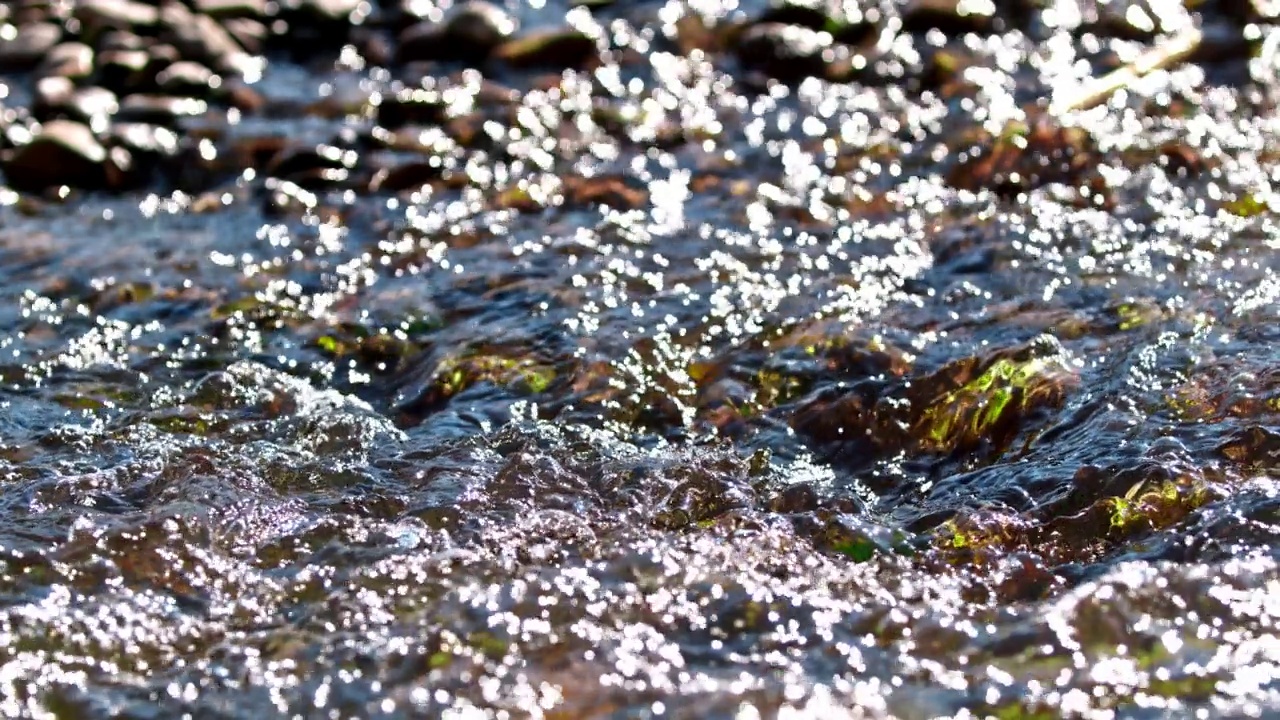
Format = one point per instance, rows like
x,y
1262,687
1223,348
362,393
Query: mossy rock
x,y
993,406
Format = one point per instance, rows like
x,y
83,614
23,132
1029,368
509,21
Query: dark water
x,y
808,419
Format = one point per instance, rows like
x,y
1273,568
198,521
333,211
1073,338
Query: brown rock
x,y
251,34
51,94
30,46
411,107
241,96
160,109
615,191
312,167
954,17
70,60
124,71
57,97
149,146
200,37
550,49
97,16
787,52
228,9
63,152
188,78
411,175
120,40
468,33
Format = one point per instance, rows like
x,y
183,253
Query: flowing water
x,y
683,394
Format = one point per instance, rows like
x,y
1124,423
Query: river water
x,y
684,395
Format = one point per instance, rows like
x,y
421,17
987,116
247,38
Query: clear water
x,y
816,421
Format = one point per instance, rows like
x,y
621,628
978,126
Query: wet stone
x,y
615,191
161,56
848,23
405,176
240,95
468,33
334,11
69,60
312,167
63,152
318,24
144,140
411,107
187,78
255,152
1026,156
97,16
954,17
150,147
51,93
29,47
786,52
1132,19
120,40
160,109
251,34
562,49
201,38
124,70
56,97
231,9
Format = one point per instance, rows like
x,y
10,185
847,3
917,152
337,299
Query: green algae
x,y
987,406
1156,506
1247,206
456,374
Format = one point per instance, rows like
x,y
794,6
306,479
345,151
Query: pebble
x,y
51,93
406,176
562,49
312,167
120,40
847,24
70,60
201,38
231,9
251,34
188,78
124,71
953,17
150,147
29,47
411,107
160,109
468,33
58,97
97,16
319,24
236,93
786,52
63,152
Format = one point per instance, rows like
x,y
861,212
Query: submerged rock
x,y
787,52
563,49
